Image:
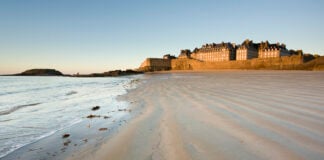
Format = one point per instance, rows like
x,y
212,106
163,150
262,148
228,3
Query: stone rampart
x,y
295,62
155,64
278,63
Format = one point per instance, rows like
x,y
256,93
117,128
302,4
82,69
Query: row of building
x,y
229,51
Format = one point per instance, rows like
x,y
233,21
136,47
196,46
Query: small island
x,y
40,72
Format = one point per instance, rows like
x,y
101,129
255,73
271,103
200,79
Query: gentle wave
x,y
6,120
26,90
17,146
13,109
65,99
33,89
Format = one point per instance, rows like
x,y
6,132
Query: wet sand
x,y
86,137
222,115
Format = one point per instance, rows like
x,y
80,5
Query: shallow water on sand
x,y
32,108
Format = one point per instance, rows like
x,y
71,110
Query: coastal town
x,y
214,56
224,53
230,51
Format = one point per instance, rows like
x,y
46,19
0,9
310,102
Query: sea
x,y
33,108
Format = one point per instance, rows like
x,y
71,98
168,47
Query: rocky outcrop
x,y
120,73
114,73
40,72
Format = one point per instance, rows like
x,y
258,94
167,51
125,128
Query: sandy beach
x,y
222,115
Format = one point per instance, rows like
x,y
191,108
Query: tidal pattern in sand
x,y
225,115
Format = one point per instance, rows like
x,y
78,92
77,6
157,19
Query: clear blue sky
x,y
95,36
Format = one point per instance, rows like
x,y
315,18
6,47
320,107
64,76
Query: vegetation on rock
x,y
41,72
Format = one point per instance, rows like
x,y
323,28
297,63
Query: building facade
x,y
227,51
168,56
247,50
215,52
267,50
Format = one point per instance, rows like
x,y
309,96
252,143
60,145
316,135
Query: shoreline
x,y
96,124
208,114
81,136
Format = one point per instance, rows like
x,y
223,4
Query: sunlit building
x,y
267,50
247,50
214,52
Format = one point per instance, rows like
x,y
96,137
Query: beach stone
x,y
95,108
67,143
103,129
93,116
66,135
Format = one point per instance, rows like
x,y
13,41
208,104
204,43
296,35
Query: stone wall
x,y
278,63
155,64
295,62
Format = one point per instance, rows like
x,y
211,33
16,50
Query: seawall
x,y
155,64
292,62
295,62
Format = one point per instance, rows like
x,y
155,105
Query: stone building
x,y
168,56
215,52
267,50
184,53
247,50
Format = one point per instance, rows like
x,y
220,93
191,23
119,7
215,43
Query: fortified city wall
x,y
247,55
284,63
295,62
155,64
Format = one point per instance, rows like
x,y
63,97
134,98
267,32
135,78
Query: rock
x,y
103,129
95,108
67,143
66,135
93,116
114,73
121,73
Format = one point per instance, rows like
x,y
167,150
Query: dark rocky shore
x,y
114,73
53,72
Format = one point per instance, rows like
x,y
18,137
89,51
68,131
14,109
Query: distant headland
x,y
53,72
247,55
40,72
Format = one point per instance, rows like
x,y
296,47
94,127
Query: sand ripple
x,y
224,115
